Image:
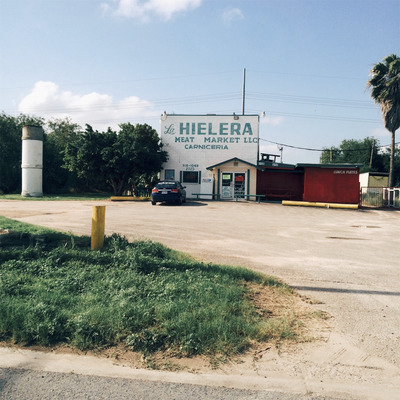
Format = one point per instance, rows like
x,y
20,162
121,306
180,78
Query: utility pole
x,y
244,90
372,153
280,148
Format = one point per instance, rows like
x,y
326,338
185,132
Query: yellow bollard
x,y
98,226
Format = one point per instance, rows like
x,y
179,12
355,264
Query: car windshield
x,y
166,185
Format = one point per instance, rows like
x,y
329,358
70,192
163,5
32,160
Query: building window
x,y
170,174
190,177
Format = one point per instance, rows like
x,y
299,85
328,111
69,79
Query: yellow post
x,y
98,225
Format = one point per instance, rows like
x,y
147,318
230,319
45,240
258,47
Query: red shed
x,y
280,182
331,183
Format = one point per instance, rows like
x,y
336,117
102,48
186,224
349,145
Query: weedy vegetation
x,y
55,290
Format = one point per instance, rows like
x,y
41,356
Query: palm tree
x,y
385,90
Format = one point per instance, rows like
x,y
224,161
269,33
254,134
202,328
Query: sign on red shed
x,y
331,183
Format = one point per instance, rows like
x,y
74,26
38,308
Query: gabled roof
x,y
230,160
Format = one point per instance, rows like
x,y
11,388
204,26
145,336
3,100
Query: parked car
x,y
169,192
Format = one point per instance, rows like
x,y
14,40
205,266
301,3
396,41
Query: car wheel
x,y
179,201
153,203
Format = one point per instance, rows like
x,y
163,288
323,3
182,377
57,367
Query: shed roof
x,y
343,165
264,166
375,173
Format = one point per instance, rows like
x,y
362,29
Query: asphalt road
x,y
32,385
346,261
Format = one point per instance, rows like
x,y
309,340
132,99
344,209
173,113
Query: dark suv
x,y
168,191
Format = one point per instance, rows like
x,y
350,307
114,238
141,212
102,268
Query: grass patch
x,y
141,294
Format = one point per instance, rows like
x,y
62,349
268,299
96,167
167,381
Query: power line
x,y
308,75
325,117
142,104
127,81
325,149
290,146
321,101
139,104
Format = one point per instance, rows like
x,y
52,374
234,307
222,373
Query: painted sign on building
x,y
195,142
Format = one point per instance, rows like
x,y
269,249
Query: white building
x,y
211,154
374,179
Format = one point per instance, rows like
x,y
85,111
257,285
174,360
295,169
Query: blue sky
x,y
104,62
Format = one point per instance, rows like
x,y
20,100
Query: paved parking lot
x,y
346,260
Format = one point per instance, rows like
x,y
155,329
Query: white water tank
x,y
32,161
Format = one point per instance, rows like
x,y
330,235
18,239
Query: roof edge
x,y
343,165
231,159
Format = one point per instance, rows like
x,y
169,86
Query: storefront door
x,y
227,185
233,184
240,184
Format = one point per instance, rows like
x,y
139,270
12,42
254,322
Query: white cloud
x,y
105,8
268,148
233,14
98,110
144,9
272,121
381,132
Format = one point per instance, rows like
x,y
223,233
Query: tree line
x,y
77,160
367,152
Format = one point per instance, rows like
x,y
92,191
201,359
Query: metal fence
x,y
380,197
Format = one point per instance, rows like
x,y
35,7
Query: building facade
x,y
197,144
217,156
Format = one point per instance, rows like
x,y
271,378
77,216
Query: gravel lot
x,y
346,262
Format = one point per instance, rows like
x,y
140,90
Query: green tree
x,y
82,157
385,90
396,167
11,150
122,160
148,154
365,152
59,132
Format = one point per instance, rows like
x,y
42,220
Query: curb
x,y
317,204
